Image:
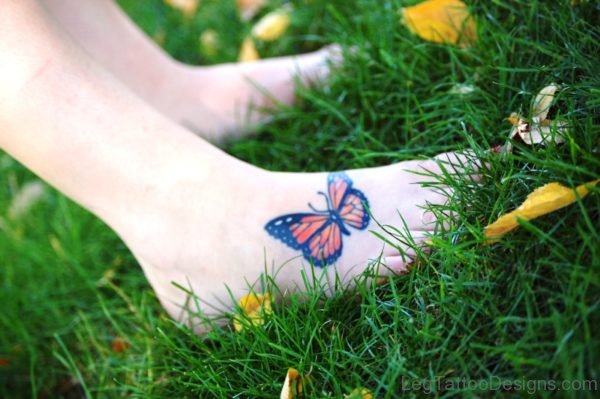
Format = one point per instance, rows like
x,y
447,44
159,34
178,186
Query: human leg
x,y
216,102
191,214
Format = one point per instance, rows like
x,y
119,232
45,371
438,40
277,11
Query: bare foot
x,y
226,101
216,240
191,214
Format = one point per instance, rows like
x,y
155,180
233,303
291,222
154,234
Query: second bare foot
x,y
224,102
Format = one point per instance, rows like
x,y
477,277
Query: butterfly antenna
x,y
326,200
313,208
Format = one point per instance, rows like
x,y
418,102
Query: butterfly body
x,y
335,217
319,235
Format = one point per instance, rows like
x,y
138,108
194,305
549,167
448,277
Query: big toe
x,y
317,66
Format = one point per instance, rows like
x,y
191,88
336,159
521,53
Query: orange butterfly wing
x,y
306,227
338,184
353,211
326,245
319,238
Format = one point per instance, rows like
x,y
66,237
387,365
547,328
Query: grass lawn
x,y
523,309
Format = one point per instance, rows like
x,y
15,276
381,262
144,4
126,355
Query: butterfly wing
x,y
353,209
297,228
325,246
337,186
317,236
348,202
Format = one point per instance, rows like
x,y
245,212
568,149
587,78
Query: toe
x,y
396,264
317,66
463,163
417,242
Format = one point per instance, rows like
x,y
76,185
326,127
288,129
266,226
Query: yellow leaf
x,y
543,200
514,118
273,25
441,21
543,101
254,307
187,7
209,40
360,393
293,385
249,8
248,51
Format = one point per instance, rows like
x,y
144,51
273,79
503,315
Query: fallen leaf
x,y
542,201
255,308
120,345
360,393
514,118
293,385
187,7
209,40
539,129
536,132
273,25
543,101
248,51
4,362
249,8
28,195
441,21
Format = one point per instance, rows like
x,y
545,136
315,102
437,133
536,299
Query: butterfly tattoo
x,y
319,235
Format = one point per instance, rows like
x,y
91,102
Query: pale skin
x,y
190,213
177,90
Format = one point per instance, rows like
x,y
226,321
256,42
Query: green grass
x,y
526,308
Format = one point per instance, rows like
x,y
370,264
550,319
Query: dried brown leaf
x,y
543,101
293,386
